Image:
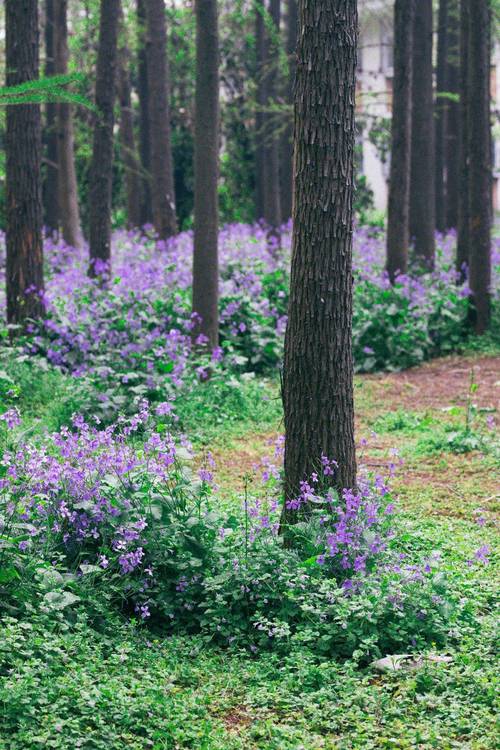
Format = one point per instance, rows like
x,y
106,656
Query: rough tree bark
x,y
287,138
50,186
399,184
23,143
452,155
101,170
67,185
144,137
206,173
441,115
127,141
318,367
462,260
422,201
162,183
480,176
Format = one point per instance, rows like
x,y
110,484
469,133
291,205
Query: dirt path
x,y
443,484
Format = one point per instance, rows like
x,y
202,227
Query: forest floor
x,y
139,691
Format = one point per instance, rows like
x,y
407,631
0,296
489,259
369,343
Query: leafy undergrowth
x,y
85,678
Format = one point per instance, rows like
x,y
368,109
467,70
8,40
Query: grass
x,y
69,685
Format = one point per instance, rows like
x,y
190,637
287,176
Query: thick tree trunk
x,y
462,260
206,173
452,156
50,187
422,202
127,141
101,171
163,194
24,271
441,115
399,185
287,138
318,367
68,189
480,177
144,135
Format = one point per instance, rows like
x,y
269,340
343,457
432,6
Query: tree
x,y
24,267
67,186
318,367
144,134
422,202
268,140
51,190
452,155
287,139
102,154
399,185
479,162
462,260
162,183
441,115
206,172
127,138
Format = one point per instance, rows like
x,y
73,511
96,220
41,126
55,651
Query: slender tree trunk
x,y
24,270
261,100
452,156
441,115
144,134
399,185
163,195
422,202
101,171
127,140
206,172
462,260
272,208
50,187
287,138
68,189
480,177
318,367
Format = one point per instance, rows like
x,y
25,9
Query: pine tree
x,y
399,185
23,145
286,173
422,183
101,170
144,134
162,175
206,172
127,138
50,186
318,367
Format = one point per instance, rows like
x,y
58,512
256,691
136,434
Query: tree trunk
x,y
480,176
441,115
272,208
144,135
163,195
127,141
452,156
462,260
101,171
261,101
318,367
399,185
68,189
50,187
287,138
206,173
24,267
422,202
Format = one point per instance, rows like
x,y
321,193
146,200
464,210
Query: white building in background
x,y
374,96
